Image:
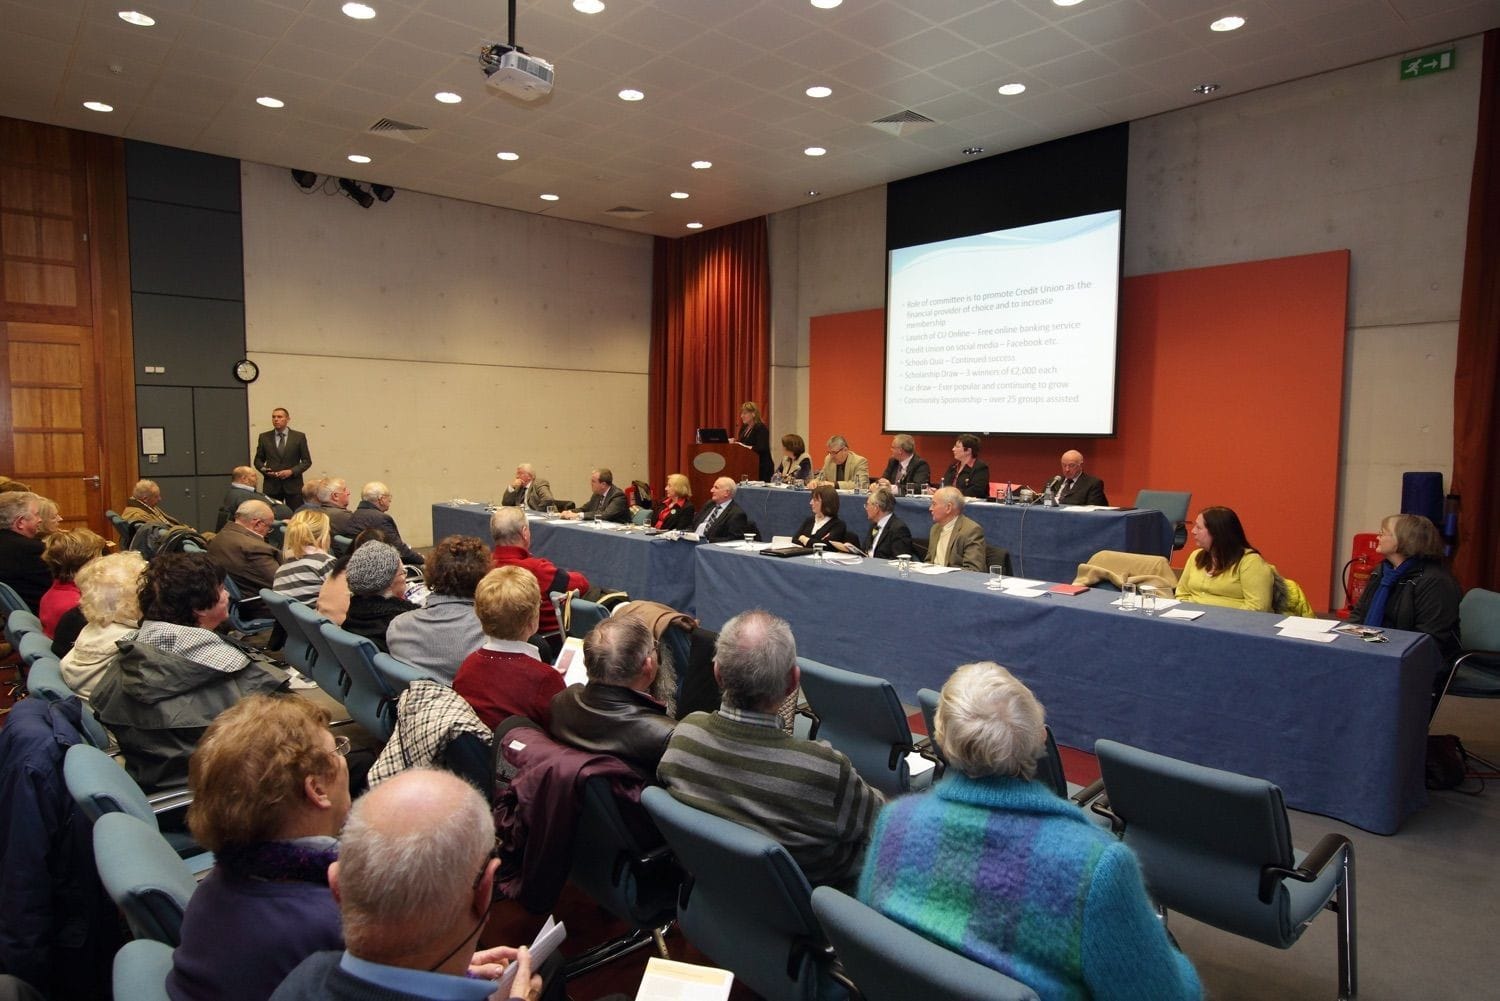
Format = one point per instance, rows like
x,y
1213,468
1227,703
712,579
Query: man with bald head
x,y
240,549
374,512
414,882
528,490
1077,487
723,519
144,504
243,486
956,540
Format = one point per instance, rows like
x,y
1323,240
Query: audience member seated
x,y
109,597
1001,869
374,505
738,763
270,793
795,465
506,676
144,505
439,635
305,557
606,502
240,549
824,524
1225,570
616,713
412,904
528,491
956,539
968,473
333,596
723,519
333,500
50,517
512,537
175,674
377,580
844,468
1411,589
21,563
243,486
65,553
676,513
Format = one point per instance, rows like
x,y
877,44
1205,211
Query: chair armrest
x,y
804,708
1100,805
1333,846
927,748
169,800
1089,793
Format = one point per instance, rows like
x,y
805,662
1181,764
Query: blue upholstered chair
x,y
1049,769
298,650
369,699
140,971
1476,671
1217,847
238,621
125,528
10,601
19,622
1173,504
100,786
44,680
34,646
889,962
861,716
143,876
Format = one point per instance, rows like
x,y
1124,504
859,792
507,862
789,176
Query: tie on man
x,y
874,537
281,441
708,522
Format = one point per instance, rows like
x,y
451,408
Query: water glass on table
x,y
997,578
1130,597
903,565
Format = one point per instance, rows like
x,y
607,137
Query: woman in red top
x,y
64,554
506,676
677,506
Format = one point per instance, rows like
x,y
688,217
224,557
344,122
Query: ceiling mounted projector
x,y
513,72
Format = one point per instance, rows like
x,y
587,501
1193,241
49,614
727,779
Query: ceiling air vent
x,y
903,123
392,129
626,212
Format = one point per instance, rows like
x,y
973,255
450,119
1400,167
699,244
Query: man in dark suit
x,y
1077,487
724,519
242,484
21,563
889,536
375,502
282,457
608,502
240,549
905,466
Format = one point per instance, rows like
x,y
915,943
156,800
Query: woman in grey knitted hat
x,y
376,582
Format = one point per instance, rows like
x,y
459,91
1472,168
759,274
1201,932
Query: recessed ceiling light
x,y
588,6
1205,88
1066,3
695,225
1012,89
702,164
270,102
812,194
98,106
972,150
136,18
631,95
679,194
815,151
549,198
818,91
446,97
508,155
359,11
825,4
358,158
1227,23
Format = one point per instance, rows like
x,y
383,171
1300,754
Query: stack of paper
x,y
548,939
1317,630
669,980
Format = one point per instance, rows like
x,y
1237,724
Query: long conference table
x,y
1045,543
1340,727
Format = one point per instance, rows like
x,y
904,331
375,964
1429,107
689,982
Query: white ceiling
x,y
724,81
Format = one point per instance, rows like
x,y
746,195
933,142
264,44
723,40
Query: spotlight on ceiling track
x,y
357,193
305,179
382,192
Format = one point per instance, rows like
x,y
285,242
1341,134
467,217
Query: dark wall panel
x,y
221,417
181,177
185,250
197,341
179,495
169,408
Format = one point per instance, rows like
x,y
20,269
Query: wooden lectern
x,y
711,461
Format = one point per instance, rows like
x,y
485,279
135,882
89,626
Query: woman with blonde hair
x,y
47,510
676,505
1411,589
754,435
270,794
65,553
109,598
309,535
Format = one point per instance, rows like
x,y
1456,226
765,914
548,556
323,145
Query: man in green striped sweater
x,y
739,764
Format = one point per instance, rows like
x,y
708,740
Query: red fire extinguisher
x,y
1357,571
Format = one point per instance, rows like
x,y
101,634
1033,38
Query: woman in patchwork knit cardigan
x,y
999,868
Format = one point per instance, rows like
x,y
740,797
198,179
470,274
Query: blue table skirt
x,y
1340,727
649,567
1044,543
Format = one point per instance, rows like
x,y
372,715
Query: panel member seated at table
x,y
528,490
998,868
676,509
1411,589
512,537
795,465
905,466
824,524
1077,487
845,469
607,502
1225,570
956,540
616,713
889,536
506,676
968,473
723,519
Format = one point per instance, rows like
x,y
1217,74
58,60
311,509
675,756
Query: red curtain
x,y
1476,419
710,337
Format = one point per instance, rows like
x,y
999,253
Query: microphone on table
x,y
1052,486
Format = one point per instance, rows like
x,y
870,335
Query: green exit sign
x,y
1433,62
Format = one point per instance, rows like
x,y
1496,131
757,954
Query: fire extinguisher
x,y
1357,571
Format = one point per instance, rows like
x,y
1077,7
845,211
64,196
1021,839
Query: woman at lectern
x,y
795,465
824,524
676,506
754,435
1225,570
968,473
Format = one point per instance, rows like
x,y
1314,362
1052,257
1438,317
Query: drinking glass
x,y
1130,597
749,540
551,511
903,565
1148,599
818,548
997,578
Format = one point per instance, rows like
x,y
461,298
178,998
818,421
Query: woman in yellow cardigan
x,y
1225,569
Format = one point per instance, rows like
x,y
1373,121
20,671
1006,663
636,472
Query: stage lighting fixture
x,y
357,193
382,192
305,179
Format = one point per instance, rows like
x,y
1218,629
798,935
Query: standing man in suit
x,y
242,484
240,550
956,541
608,502
527,491
905,466
723,519
1077,487
889,536
282,457
844,468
